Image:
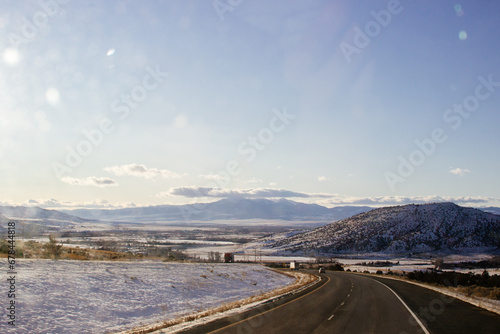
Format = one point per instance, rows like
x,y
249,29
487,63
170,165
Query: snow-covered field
x,y
415,264
103,297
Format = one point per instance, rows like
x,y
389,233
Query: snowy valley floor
x,y
105,297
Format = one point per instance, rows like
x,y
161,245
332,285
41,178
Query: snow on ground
x,y
416,264
404,264
302,281
104,296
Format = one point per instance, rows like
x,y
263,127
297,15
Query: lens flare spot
x,y
180,121
462,35
52,96
11,56
110,52
459,10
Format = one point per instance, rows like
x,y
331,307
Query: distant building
x,y
228,258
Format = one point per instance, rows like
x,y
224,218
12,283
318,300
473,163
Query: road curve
x,y
444,314
354,303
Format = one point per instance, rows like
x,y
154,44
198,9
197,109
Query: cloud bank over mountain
x,y
193,192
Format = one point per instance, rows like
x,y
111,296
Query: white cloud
x,y
90,181
213,177
95,204
460,171
323,178
7,203
140,170
253,180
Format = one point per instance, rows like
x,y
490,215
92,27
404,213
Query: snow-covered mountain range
x,y
491,209
225,209
444,227
38,215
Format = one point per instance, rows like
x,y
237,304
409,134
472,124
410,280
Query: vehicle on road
x,y
322,270
228,258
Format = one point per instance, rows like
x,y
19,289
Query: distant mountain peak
x,y
236,208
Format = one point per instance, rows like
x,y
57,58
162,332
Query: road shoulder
x,y
487,304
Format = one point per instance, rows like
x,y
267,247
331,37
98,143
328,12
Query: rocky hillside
x,y
402,229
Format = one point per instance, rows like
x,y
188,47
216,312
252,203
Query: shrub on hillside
x,y
452,278
335,267
52,249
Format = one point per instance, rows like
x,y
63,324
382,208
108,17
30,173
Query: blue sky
x,y
119,103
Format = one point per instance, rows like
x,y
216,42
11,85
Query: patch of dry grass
x,y
479,291
35,250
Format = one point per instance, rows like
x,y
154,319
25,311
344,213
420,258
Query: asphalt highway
x,y
354,303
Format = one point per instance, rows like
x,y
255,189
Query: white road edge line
x,y
409,310
330,317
